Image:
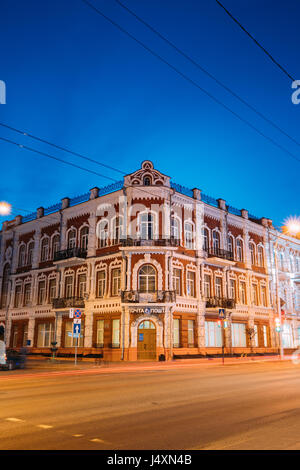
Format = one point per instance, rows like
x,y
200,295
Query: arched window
x,y
188,236
147,181
84,238
45,249
147,226
239,250
205,239
216,242
260,256
147,278
22,253
146,324
5,285
175,228
72,238
252,252
102,232
117,229
230,244
55,244
30,253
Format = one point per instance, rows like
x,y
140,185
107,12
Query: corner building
x,y
149,263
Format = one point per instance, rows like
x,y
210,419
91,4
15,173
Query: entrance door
x,y
146,341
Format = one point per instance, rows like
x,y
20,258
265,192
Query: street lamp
x,y
292,228
5,208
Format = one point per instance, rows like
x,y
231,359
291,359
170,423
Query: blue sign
x,y
141,336
76,329
77,313
222,313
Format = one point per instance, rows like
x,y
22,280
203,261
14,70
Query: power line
x,y
200,67
65,149
190,80
255,41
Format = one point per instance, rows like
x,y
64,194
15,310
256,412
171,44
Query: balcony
x,y
69,257
219,302
159,296
68,302
168,242
220,257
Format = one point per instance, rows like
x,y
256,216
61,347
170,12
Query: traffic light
x,y
277,324
219,323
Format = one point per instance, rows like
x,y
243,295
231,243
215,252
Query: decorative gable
x,y
147,176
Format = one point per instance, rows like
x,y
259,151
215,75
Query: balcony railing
x,y
159,296
68,302
70,253
220,253
222,302
147,242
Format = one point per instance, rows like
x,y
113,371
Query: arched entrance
x,y
146,340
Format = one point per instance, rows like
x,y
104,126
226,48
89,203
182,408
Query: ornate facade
x,y
150,263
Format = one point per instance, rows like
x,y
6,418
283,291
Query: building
x,y
150,263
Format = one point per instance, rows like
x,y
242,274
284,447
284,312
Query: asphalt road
x,y
238,406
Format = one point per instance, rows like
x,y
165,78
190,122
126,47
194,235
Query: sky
x,y
74,79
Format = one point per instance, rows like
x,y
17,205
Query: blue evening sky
x,y
74,79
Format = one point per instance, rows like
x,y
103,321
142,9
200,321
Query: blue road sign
x,y
77,313
222,313
76,328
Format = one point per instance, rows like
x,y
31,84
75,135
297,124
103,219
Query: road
x,y
236,406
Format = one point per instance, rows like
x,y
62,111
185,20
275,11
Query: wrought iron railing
x,y
222,302
220,253
68,302
70,253
159,296
155,242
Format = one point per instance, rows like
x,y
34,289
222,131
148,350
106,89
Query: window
x,y
230,244
281,262
116,281
213,334
18,295
265,335
22,252
25,335
263,292
216,241
41,292
260,256
70,340
207,284
27,294
30,253
68,287
147,278
252,253
175,228
44,249
101,283
71,239
232,289
102,232
81,285
100,333
14,341
84,238
116,333
190,283
239,250
45,335
287,336
147,226
238,335
176,333
188,236
205,239
256,344
191,333
147,181
218,286
52,289
243,292
117,229
177,281
5,285
254,294
55,244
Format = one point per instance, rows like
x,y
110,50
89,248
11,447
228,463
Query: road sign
x,y
76,329
77,313
77,321
222,313
71,313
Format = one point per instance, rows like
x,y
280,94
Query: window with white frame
x,y
30,253
232,289
238,335
52,289
115,281
45,335
71,239
116,333
213,334
147,278
41,292
260,256
84,238
27,294
265,335
175,228
81,285
239,250
254,293
190,284
287,335
252,252
100,333
177,281
101,283
22,252
176,333
68,287
207,285
230,244
218,287
216,241
102,232
55,244
188,236
205,234
147,226
243,292
256,344
117,229
191,333
18,295
45,249
263,295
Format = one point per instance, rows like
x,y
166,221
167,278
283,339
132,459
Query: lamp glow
x,y
292,225
5,208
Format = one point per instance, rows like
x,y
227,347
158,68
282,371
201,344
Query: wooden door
x,y
146,344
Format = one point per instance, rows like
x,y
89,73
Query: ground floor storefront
x,y
150,334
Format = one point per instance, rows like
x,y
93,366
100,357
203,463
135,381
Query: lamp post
x,y
292,228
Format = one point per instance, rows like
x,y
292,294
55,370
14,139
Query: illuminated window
x,y
190,283
147,278
116,281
